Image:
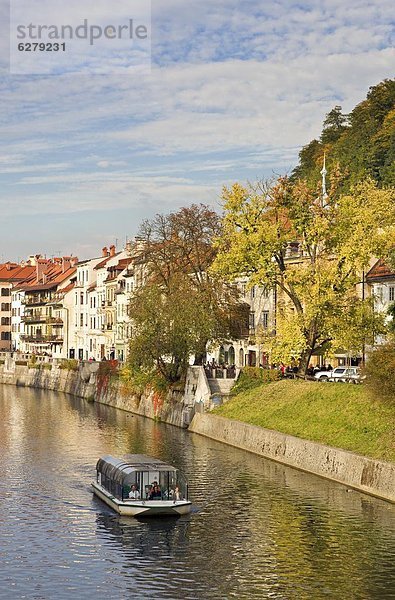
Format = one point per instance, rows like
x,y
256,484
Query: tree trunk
x,y
200,358
201,354
304,362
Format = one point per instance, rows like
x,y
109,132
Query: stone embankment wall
x,y
174,408
367,475
60,380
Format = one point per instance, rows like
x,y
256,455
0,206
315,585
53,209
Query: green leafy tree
x,y
380,372
361,143
167,328
358,327
336,242
391,314
334,125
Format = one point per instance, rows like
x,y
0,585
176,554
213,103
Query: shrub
x,y
108,367
137,381
69,364
380,372
252,377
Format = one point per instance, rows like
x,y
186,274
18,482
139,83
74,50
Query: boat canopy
x,y
123,471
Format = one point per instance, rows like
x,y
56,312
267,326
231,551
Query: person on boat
x,y
155,493
134,494
175,494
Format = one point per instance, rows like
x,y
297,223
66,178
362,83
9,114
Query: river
x,y
257,530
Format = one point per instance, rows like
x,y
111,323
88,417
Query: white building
x,y
381,280
85,321
260,317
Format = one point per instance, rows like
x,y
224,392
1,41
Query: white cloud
x,y
235,89
99,191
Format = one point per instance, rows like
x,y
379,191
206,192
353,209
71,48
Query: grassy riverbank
x,y
340,415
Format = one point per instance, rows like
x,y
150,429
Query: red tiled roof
x,y
105,260
67,288
50,278
13,272
124,262
380,271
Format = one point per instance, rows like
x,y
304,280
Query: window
x,y
81,320
82,298
5,292
265,319
251,320
392,293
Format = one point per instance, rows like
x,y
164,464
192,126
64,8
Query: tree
x,y
167,328
380,372
336,241
362,143
309,158
335,124
178,307
359,327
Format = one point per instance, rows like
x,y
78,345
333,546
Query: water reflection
x,y
258,530
143,537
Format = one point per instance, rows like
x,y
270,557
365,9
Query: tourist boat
x,y
161,489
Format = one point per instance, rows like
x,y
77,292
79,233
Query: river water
x,y
258,529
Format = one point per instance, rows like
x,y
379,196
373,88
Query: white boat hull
x,y
139,508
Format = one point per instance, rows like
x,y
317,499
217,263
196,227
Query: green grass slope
x,y
340,415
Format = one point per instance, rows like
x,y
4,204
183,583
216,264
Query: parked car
x,y
340,374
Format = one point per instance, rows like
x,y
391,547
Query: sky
x,y
235,89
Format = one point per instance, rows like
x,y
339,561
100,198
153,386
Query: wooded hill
x,y
361,143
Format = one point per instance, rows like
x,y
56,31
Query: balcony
x,y
34,319
42,339
55,321
56,302
34,300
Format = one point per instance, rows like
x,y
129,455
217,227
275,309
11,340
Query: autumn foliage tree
x,y
178,306
335,239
